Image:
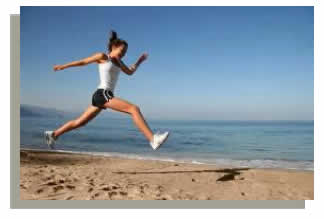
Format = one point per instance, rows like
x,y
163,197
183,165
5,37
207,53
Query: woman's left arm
x,y
130,70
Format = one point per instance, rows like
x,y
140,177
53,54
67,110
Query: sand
x,y
66,176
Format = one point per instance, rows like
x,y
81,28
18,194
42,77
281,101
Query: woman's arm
x,y
130,70
94,58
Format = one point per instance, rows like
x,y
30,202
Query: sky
x,y
205,63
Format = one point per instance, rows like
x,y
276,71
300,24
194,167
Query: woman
x,y
109,66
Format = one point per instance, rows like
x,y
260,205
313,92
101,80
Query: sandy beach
x,y
66,176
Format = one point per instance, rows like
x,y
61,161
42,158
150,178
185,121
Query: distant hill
x,y
36,111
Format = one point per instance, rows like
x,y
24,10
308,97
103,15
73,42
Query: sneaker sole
x,y
162,142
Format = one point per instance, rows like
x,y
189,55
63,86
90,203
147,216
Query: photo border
x,y
16,203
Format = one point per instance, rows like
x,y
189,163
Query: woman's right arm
x,y
94,58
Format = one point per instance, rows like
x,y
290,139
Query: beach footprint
x,y
71,187
95,196
58,188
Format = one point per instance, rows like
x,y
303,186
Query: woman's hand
x,y
130,70
143,57
58,67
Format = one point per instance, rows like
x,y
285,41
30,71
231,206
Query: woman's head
x,y
116,46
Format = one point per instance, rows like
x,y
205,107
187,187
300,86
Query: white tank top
x,y
108,73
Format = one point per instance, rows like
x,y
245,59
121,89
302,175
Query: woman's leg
x,y
126,107
88,114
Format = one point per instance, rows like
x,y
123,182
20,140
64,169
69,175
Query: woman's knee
x,y
134,109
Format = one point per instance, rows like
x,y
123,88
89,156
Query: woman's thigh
x,y
119,104
90,113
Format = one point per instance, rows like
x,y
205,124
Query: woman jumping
x,y
109,66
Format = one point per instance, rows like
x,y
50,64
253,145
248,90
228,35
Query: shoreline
x,y
162,159
70,176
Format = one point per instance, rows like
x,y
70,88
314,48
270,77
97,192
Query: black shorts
x,y
100,97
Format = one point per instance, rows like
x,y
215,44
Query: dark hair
x,y
115,41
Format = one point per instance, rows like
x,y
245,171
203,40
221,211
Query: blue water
x,y
261,144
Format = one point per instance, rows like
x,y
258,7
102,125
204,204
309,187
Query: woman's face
x,y
119,51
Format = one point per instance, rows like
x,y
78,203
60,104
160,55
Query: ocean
x,y
257,144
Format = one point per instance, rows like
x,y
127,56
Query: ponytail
x,y
114,40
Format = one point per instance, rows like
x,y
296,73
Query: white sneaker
x,y
158,140
49,138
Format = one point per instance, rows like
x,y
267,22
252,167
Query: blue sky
x,y
236,63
